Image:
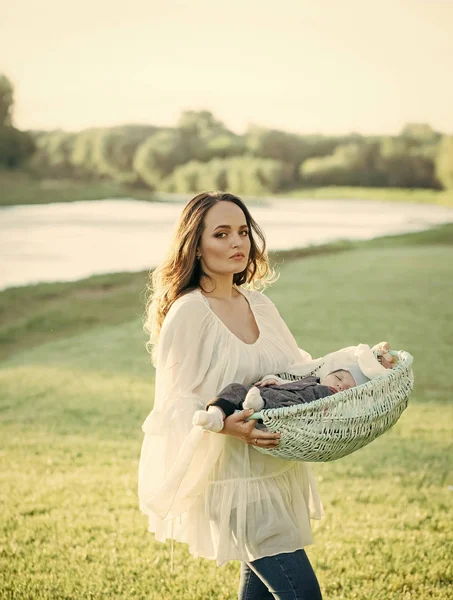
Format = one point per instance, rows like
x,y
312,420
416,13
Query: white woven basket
x,y
338,425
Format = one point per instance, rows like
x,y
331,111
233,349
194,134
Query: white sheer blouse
x,y
222,497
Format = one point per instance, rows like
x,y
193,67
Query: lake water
x,y
69,241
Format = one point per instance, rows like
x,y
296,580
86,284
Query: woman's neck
x,y
218,287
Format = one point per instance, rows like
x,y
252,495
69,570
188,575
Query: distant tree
x,y
353,163
225,145
15,146
444,162
243,175
53,153
196,175
422,133
183,179
214,175
395,161
200,152
288,148
275,144
200,124
6,101
83,153
113,151
203,137
405,162
158,156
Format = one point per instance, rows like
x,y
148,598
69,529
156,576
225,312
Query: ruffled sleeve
x,y
173,452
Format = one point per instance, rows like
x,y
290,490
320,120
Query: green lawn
x,y
21,188
77,383
335,192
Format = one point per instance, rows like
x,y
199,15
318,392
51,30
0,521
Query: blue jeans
x,y
286,576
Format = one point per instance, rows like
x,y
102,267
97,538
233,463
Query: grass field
x,y
77,383
336,192
20,188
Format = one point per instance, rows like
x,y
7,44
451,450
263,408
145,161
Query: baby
x,y
341,371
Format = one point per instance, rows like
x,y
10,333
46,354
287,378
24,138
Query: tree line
x,y
200,152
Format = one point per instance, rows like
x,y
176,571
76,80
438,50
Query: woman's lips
x,y
237,257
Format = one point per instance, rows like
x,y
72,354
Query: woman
x,y
214,490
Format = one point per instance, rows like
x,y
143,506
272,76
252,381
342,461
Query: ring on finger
x,y
256,441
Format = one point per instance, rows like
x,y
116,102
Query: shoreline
x,y
32,314
439,233
20,188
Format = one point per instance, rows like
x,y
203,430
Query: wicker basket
x,y
338,425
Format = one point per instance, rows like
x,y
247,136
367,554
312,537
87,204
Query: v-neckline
x,y
225,326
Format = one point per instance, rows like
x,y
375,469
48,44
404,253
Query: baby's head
x,y
339,380
344,378
349,367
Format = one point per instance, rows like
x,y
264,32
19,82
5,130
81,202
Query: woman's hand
x,y
266,383
237,426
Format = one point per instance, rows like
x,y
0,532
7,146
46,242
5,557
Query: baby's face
x,y
338,381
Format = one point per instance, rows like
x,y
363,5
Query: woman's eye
x,y
222,234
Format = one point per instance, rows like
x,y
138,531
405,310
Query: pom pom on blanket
x,y
382,352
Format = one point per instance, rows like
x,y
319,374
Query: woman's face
x,y
225,242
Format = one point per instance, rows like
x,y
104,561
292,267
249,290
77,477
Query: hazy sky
x,y
329,66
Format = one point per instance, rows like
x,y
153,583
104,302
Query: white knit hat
x,y
357,360
355,371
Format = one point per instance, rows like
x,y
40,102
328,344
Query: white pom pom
x,y
200,418
253,400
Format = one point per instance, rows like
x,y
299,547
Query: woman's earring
x,y
198,256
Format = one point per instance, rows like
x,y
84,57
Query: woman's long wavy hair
x,y
181,272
